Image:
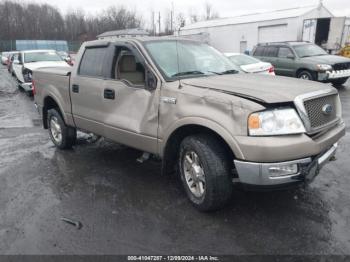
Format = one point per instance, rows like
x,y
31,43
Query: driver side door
x,y
131,108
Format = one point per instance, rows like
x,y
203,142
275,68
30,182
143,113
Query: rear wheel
x,y
204,168
62,136
306,75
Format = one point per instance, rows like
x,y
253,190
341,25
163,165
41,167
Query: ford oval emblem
x,y
327,109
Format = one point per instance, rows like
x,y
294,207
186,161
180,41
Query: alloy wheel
x,y
194,174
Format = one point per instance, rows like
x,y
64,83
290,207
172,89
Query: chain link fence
x,y
13,45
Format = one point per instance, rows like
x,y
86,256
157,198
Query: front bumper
x,y
329,75
259,174
27,86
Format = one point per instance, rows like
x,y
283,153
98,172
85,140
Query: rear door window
x,y
270,51
92,63
259,51
284,52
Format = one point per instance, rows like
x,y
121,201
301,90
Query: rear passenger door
x,y
286,62
86,87
266,54
270,55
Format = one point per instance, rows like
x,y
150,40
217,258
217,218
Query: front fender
x,y
213,126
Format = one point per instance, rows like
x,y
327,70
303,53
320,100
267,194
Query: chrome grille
x,y
341,66
314,109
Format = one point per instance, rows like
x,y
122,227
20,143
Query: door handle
x,y
109,94
75,88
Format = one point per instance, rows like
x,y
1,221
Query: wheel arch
x,y
49,103
299,70
170,147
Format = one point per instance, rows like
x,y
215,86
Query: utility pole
x,y
153,25
171,17
159,22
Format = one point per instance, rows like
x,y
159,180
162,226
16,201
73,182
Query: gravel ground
x,y
130,208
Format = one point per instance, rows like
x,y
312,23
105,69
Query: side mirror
x,y
151,80
291,56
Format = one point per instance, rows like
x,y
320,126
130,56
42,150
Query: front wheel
x,y
204,168
62,136
306,75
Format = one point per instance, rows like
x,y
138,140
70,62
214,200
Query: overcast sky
x,y
225,8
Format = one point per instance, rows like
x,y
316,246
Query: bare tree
x,y
43,21
209,12
193,16
180,20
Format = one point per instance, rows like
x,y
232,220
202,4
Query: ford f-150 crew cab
x,y
186,103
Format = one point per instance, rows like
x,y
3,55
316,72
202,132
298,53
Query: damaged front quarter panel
x,y
223,113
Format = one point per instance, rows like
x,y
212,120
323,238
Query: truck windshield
x,y
41,57
309,50
187,59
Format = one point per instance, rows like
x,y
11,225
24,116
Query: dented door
x,y
131,113
132,117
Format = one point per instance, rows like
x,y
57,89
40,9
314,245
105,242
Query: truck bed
x,y
53,82
63,71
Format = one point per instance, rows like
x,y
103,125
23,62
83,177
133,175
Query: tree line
x,y
43,21
34,21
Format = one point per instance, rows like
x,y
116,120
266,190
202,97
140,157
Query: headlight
x,y
275,122
324,67
27,75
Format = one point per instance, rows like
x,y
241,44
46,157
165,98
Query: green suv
x,y
304,60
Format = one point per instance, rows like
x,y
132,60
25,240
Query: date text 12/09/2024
x,y
173,258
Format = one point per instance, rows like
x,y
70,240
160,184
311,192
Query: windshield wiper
x,y
188,73
231,71
216,73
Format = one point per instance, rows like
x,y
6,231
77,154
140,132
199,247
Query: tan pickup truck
x,y
186,103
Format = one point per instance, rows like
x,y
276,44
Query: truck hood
x,y
262,88
326,59
36,65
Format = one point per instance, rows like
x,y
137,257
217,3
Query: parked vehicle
x,y
5,57
71,59
304,60
10,59
185,102
250,64
26,61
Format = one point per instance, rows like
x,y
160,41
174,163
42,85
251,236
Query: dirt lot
x,y
130,208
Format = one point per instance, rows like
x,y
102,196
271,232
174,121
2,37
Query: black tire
x,y
216,165
339,82
306,75
68,134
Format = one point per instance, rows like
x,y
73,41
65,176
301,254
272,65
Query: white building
x,y
238,34
133,32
